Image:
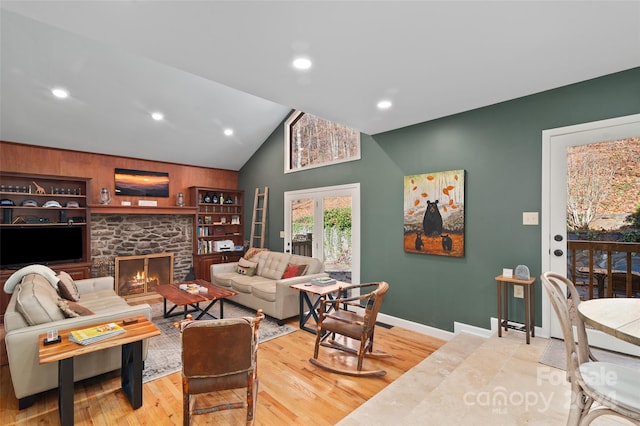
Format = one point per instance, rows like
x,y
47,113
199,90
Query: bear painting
x,y
432,222
434,213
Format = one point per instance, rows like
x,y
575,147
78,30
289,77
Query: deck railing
x,y
610,280
302,246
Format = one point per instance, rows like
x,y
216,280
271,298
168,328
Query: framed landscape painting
x,y
434,213
141,183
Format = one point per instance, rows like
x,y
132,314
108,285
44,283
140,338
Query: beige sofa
x,y
266,289
35,300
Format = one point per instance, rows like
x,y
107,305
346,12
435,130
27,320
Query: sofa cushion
x,y
72,309
224,279
67,287
37,300
273,265
294,270
244,284
103,301
246,267
265,291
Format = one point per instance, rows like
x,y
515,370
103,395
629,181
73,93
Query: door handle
x,y
557,237
558,252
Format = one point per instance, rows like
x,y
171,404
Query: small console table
x,y
132,364
529,303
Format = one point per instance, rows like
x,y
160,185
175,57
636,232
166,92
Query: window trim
x,y
290,121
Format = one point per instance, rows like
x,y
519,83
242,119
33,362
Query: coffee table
x,y
178,297
132,365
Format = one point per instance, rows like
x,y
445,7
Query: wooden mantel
x,y
115,209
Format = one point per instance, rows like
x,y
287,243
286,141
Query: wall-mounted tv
x,y
141,183
20,246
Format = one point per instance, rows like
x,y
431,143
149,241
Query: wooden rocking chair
x,y
334,318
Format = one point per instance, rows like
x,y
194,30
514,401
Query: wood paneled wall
x,y
22,158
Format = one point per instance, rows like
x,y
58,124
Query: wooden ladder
x,y
257,228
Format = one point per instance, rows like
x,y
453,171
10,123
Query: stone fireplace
x,y
119,235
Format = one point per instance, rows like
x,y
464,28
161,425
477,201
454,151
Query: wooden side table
x,y
307,292
131,371
529,303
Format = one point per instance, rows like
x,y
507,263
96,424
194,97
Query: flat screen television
x,y
20,246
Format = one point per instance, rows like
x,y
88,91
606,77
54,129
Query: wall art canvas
x,y
141,183
434,213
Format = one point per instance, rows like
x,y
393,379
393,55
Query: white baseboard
x,y
459,327
417,327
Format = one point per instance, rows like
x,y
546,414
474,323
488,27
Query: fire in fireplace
x,y
139,275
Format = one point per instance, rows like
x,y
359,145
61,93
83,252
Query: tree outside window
x,y
311,141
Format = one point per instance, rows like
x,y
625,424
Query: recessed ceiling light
x,y
60,93
158,116
302,63
228,132
384,104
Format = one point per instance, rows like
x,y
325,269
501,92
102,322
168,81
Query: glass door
x,y
555,143
324,223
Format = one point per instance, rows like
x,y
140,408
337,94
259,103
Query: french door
x,y
555,143
335,242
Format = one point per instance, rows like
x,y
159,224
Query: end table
x,y
529,304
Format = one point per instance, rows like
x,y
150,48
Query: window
x,y
311,141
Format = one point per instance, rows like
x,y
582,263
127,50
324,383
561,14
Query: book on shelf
x,y
323,281
86,336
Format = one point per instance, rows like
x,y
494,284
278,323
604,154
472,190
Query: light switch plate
x,y
530,218
518,291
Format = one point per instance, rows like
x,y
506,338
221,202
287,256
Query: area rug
x,y
164,353
555,356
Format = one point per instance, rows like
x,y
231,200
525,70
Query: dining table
x,y
618,316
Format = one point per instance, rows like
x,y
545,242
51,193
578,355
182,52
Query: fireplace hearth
x,y
138,276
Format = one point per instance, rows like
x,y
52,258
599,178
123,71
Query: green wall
x,y
500,148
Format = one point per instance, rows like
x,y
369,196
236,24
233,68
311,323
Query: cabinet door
x,y
202,268
79,272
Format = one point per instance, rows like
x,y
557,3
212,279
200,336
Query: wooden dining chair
x,y
220,355
340,317
597,388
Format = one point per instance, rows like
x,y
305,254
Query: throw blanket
x,y
17,276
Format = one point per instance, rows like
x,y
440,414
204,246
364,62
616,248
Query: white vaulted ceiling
x,y
212,65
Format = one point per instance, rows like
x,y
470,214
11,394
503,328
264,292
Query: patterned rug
x,y
164,353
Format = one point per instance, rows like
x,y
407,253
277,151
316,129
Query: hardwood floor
x,y
291,390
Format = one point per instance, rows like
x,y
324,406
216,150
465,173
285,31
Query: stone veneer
x,y
114,235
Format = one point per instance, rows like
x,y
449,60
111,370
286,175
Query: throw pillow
x,y
72,309
246,267
294,270
253,251
67,287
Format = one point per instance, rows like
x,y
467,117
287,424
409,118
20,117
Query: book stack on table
x,y
90,335
323,281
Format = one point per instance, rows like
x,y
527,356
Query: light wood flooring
x,y
291,390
